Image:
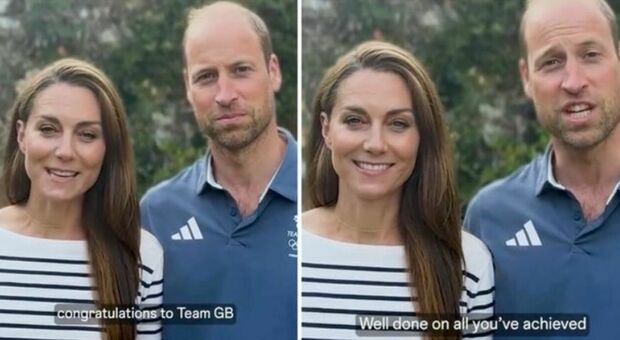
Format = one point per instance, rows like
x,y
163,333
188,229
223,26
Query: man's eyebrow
x,y
242,61
589,43
551,50
200,70
548,51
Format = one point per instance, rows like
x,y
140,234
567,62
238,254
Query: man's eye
x,y
550,63
590,55
241,70
206,77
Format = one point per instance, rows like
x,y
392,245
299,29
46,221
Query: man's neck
x,y
590,175
246,173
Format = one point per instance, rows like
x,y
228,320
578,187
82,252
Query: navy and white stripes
x,y
37,275
340,281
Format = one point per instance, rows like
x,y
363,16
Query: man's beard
x,y
238,137
603,127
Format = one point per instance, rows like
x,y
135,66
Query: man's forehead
x,y
555,19
219,23
235,27
544,12
220,35
218,16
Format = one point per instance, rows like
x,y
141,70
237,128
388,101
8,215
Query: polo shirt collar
x,y
283,181
544,173
546,179
201,170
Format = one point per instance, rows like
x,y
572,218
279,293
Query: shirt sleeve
x,y
145,217
470,221
481,300
150,299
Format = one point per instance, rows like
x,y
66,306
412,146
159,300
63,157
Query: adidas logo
x,y
190,231
522,240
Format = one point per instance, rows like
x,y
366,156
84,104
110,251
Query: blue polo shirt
x,y
212,255
548,258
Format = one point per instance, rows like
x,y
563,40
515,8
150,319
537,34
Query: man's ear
x,y
187,82
325,130
275,76
525,77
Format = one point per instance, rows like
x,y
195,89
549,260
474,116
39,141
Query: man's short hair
x,y
259,26
607,11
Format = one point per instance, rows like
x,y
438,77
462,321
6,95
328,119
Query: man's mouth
x,y
230,116
578,110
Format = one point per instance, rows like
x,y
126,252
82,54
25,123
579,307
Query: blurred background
x,y
471,49
137,43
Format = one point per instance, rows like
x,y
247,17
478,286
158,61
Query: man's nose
x,y
226,92
575,79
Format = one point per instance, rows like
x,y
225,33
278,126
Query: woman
x,y
384,235
71,234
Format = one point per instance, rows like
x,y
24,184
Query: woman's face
x,y
62,142
372,135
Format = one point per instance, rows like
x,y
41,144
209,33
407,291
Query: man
x,y
227,222
553,226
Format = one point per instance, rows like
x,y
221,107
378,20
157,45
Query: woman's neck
x,y
368,222
50,219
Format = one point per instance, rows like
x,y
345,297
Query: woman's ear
x,y
325,130
21,130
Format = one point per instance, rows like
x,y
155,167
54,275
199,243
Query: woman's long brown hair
x,y
429,215
110,206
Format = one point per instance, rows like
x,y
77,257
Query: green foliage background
x,y
138,44
471,50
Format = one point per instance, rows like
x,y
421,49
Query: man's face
x,y
572,72
229,84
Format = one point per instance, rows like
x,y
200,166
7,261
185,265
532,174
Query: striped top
x,y
343,281
37,275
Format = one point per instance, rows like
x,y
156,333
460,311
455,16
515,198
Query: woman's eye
x,y
353,121
47,130
88,136
400,124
